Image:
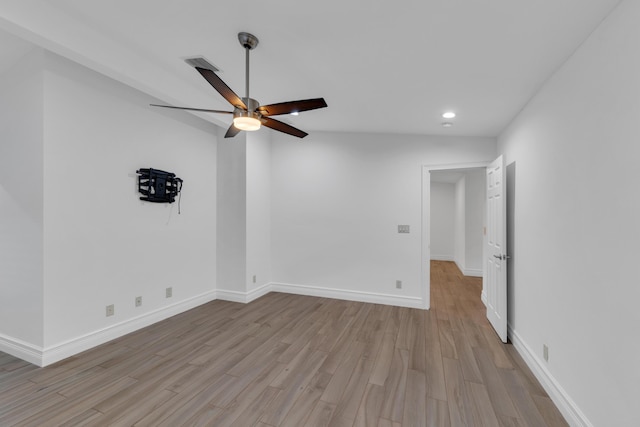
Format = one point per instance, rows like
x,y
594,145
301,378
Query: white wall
x,y
459,221
442,209
231,240
102,245
337,201
244,215
21,203
573,156
475,195
258,209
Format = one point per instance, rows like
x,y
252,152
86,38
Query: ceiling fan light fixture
x,y
246,123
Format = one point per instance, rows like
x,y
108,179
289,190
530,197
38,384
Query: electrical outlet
x,y
545,352
398,284
138,301
110,310
254,278
169,292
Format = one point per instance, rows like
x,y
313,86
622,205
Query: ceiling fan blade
x,y
232,131
282,127
222,88
292,107
193,109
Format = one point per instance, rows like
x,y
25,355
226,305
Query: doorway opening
x,y
453,218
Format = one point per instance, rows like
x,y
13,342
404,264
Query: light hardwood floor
x,y
287,360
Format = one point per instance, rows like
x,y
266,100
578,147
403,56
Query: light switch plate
x,y
403,229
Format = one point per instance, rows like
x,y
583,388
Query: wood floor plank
x,y
523,401
395,387
486,414
461,406
498,394
437,413
303,406
417,347
341,349
383,360
339,380
549,411
447,345
466,357
292,388
322,414
436,387
416,396
500,357
353,392
369,410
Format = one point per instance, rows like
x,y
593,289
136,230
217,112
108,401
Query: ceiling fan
x,y
248,114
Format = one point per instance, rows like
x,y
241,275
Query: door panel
x,y
496,250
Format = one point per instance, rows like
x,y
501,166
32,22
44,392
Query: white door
x,y
496,250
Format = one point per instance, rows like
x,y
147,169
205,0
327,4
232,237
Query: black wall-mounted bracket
x,y
158,186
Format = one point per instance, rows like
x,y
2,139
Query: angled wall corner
x,y
244,215
21,207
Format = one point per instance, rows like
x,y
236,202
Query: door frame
x,y
426,223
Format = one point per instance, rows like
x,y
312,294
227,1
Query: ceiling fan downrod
x,y
249,42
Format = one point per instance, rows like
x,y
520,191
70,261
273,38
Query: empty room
x,y
413,213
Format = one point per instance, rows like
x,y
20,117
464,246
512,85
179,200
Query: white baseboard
x,y
317,291
244,297
569,409
483,297
473,272
74,346
441,257
20,349
370,297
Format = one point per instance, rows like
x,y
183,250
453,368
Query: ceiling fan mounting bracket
x,y
247,40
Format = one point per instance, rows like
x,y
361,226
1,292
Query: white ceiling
x,y
382,66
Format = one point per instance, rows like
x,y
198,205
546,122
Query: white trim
x,y
233,296
471,165
441,257
74,346
425,237
569,409
369,297
20,349
319,291
483,297
473,272
244,297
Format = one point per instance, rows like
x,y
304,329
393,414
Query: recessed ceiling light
x,y
294,113
448,115
447,124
